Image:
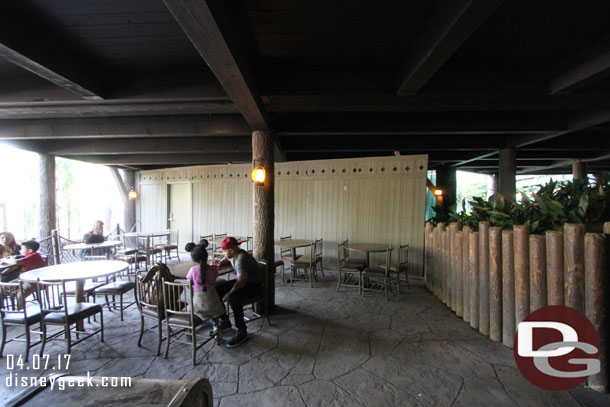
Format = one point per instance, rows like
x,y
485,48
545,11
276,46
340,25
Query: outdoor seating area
x,y
324,347
307,203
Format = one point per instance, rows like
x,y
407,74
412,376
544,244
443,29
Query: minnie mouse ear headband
x,y
230,242
190,246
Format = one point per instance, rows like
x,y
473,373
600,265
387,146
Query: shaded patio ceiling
x,y
145,84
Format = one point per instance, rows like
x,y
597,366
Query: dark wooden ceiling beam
x,y
567,163
203,21
473,100
168,145
576,122
29,39
590,65
125,127
468,124
117,108
453,22
165,159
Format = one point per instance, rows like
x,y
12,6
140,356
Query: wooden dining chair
x,y
171,244
317,259
150,304
348,257
182,318
218,253
377,278
285,254
396,270
307,266
13,313
349,273
90,284
113,287
58,311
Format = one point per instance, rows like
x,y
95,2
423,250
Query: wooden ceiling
x,y
160,83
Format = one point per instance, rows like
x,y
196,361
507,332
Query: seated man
x,y
31,260
247,285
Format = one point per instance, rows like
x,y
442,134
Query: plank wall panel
x,y
372,200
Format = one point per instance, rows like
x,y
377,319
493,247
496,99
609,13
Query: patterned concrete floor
x,y
328,348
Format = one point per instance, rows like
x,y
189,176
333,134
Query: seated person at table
x,y
247,285
30,260
95,235
206,303
10,246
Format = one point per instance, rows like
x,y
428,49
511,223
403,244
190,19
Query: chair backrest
x,y
312,254
11,298
172,294
52,296
263,269
220,235
403,256
388,258
318,248
209,239
345,244
341,253
286,250
150,295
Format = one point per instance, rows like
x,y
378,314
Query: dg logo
x,y
557,348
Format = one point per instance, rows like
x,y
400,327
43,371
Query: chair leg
x,y
102,325
311,274
27,342
3,340
141,330
194,343
68,338
167,342
121,304
43,330
160,336
339,280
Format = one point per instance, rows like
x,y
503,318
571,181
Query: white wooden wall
x,y
372,200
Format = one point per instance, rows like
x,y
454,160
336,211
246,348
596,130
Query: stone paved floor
x,y
327,348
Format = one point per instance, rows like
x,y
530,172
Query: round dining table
x,y
78,272
93,246
293,244
368,248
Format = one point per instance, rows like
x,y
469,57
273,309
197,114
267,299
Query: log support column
x,y
446,180
579,170
263,207
508,170
46,213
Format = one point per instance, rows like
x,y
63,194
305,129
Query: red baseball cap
x,y
230,242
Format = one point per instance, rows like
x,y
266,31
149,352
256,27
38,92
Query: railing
x,y
494,278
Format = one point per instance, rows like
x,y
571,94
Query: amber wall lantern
x,y
132,194
258,175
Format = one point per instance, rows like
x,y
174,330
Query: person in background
x,y
96,235
206,303
11,248
247,285
30,260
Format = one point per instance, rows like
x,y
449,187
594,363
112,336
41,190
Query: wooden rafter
x,y
452,24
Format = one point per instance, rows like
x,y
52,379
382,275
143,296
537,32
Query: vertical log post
x,y
474,279
439,260
466,273
459,304
47,218
444,265
554,268
427,243
538,283
129,209
447,266
574,253
522,277
55,245
484,278
596,302
451,261
579,169
263,207
508,170
495,284
508,288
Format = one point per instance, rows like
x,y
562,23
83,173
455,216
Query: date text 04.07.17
x,y
38,362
